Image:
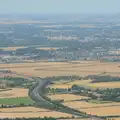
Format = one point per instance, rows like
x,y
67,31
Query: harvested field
x,y
2,75
15,92
104,111
19,47
66,97
86,105
29,112
80,82
105,85
87,83
12,48
116,118
80,68
47,48
60,86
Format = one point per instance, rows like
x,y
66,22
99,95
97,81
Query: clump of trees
x,y
103,94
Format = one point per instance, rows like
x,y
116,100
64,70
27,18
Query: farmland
x,y
14,93
47,69
75,101
16,101
29,112
66,97
105,109
21,47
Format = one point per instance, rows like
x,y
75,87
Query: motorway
x,y
37,95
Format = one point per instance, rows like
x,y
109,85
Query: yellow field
x,y
115,118
82,68
103,111
15,92
12,48
105,85
88,83
86,105
67,97
29,112
47,48
80,82
60,86
19,47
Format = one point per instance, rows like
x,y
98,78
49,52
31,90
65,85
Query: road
x,y
37,94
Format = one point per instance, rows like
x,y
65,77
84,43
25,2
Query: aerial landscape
x,y
59,66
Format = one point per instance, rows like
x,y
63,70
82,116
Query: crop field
x,y
105,85
29,112
50,69
85,105
17,101
12,48
19,47
117,118
15,92
2,75
87,83
67,97
103,111
66,86
47,69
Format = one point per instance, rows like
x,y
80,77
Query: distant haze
x,y
59,6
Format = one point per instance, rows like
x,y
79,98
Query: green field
x,y
17,101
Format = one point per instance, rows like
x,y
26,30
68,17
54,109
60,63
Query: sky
x,y
60,6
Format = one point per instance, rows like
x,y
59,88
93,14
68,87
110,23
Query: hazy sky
x,y
59,6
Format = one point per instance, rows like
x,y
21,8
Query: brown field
x,y
29,112
82,68
66,97
15,92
